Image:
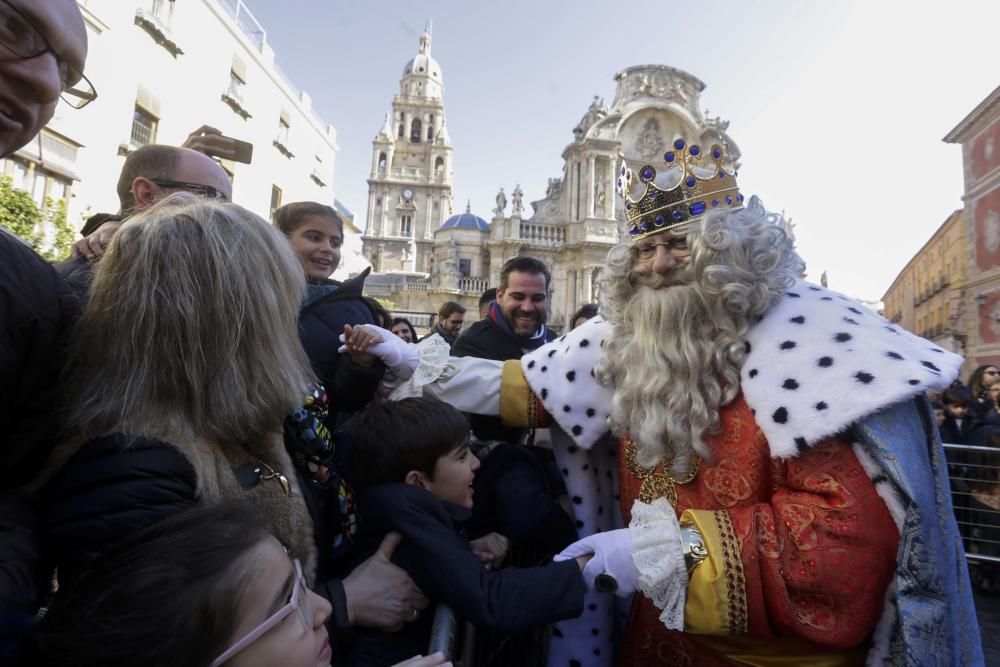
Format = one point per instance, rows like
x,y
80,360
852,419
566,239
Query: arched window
x,y
401,131
430,128
381,162
415,130
439,167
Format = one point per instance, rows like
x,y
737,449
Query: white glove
x,y
399,356
612,556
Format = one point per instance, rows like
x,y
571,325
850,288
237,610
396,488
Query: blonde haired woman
x,y
185,365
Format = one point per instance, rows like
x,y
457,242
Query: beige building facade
x,y
571,229
927,297
163,68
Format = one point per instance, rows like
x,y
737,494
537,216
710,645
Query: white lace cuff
x,y
657,554
434,354
467,383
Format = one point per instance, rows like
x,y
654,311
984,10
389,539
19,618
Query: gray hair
x,y
674,356
191,329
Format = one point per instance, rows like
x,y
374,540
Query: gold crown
x,y
688,185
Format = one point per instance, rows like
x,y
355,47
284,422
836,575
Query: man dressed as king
x,y
782,488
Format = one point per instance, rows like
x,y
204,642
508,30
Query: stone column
x,y
591,184
588,284
609,198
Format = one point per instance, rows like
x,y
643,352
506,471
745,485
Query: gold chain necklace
x,y
656,484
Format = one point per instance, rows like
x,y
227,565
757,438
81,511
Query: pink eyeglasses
x,y
298,602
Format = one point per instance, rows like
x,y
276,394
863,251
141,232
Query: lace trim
x,y
736,584
657,554
434,355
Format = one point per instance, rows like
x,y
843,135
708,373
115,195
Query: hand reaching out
x,y
491,548
93,246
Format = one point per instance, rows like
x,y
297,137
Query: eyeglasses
x,y
991,372
299,602
196,188
24,40
676,246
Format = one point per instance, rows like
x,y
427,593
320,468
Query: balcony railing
x,y
473,285
541,234
157,29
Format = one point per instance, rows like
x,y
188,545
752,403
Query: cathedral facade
x,y
423,255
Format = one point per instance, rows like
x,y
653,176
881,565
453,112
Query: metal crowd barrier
x,y
974,472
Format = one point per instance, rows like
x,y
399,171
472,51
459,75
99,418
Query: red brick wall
x,y
986,210
980,165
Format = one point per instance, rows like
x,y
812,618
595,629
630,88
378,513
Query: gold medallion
x,y
656,484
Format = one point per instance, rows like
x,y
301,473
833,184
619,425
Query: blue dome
x,y
466,221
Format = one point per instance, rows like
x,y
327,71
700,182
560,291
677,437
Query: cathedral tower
x,y
409,189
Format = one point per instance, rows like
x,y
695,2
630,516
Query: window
x,y
439,167
143,127
402,131
236,86
283,127
281,139
275,199
415,129
405,225
465,267
430,128
381,162
162,10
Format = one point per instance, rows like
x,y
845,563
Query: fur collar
x,y
817,363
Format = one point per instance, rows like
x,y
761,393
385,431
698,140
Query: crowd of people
x,y
214,454
968,415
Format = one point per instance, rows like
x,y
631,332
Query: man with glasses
x,y
43,46
149,174
778,466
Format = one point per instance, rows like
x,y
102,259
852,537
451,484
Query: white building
x,y
423,258
163,68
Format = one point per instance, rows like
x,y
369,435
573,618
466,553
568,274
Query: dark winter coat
x,y
438,558
115,485
37,312
486,340
327,308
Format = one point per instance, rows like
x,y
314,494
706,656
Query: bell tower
x,y
409,188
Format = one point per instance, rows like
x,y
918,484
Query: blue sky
x,y
838,107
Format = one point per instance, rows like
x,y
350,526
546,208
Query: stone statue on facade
x,y
553,188
599,195
597,111
501,203
515,198
451,261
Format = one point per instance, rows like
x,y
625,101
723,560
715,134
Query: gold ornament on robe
x,y
655,483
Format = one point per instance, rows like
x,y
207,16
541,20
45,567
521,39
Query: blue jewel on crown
x,y
690,180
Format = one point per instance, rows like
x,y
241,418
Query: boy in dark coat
x,y
411,460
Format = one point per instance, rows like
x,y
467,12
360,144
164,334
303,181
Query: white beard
x,y
671,368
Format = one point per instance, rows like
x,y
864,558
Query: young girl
x,y
316,234
206,587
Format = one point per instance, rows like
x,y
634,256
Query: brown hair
x,y
393,438
448,308
524,265
289,217
150,161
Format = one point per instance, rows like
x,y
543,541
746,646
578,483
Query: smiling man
x,y
44,46
514,325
